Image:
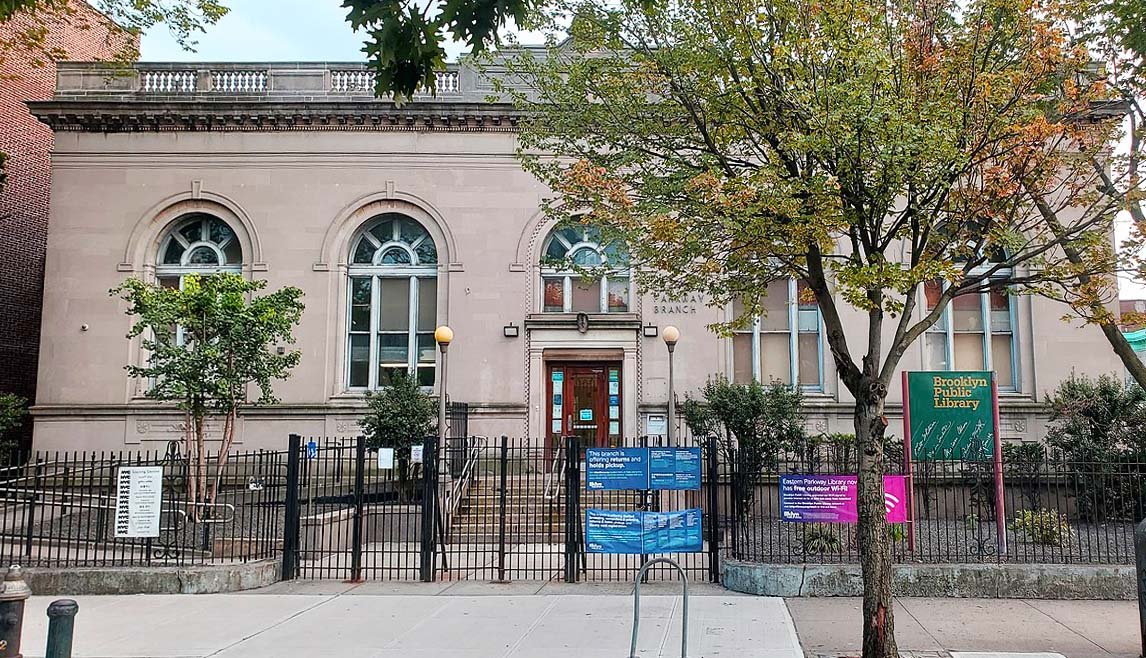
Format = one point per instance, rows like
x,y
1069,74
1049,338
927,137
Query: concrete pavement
x,y
410,620
1076,629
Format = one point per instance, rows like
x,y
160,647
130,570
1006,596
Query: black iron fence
x,y
513,509
1055,511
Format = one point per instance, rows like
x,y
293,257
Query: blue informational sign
x,y
610,531
616,468
674,468
311,449
672,532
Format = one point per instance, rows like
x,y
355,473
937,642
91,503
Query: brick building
x,y
85,35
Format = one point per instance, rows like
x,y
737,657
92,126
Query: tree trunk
x,y
875,550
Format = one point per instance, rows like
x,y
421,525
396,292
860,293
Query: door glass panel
x,y
583,409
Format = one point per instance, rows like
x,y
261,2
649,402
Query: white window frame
x,y
793,331
376,272
945,327
568,276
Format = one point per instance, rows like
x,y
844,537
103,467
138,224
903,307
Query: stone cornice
x,y
85,114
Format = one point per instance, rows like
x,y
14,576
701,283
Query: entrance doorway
x,y
585,401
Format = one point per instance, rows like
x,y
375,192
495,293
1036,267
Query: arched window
x,y
975,332
785,344
197,244
565,289
393,303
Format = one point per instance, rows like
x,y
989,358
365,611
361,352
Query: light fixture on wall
x,y
649,331
510,330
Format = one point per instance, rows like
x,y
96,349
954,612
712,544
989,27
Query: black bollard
x,y
1140,558
12,599
61,625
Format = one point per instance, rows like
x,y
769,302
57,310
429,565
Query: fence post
x,y
429,507
1140,561
61,628
572,506
713,512
356,530
32,501
291,520
501,509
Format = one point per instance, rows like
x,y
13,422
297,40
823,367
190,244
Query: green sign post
x,y
952,415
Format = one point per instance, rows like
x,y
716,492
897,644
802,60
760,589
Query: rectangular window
x,y
974,333
390,326
783,345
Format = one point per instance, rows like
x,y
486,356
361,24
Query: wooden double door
x,y
585,400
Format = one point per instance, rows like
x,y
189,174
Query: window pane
x,y
219,232
587,258
360,360
410,231
935,348
969,351
775,359
395,302
203,256
384,231
426,347
360,304
932,290
427,304
809,319
1000,311
967,313
426,375
192,232
809,359
776,307
393,348
586,295
1001,360
427,252
618,295
169,282
554,294
364,253
174,253
387,374
742,358
395,256
234,252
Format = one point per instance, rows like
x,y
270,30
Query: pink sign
x,y
832,498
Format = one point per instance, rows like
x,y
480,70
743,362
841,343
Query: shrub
x,y
399,416
13,408
896,532
1046,526
820,538
1096,427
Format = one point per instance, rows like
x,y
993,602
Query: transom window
x,y
783,345
197,244
566,253
392,303
975,332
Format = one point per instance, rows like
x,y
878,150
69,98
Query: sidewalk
x,y
408,620
1076,629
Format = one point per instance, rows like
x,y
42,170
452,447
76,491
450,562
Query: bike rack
x,y
637,605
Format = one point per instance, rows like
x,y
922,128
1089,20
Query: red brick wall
x,y
85,35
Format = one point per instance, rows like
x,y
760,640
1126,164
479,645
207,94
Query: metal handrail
x,y
556,475
107,501
461,485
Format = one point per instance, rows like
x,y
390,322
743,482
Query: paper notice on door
x,y
556,429
614,388
556,411
614,427
385,458
586,414
614,413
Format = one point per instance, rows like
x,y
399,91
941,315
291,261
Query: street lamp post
x,y
443,335
671,335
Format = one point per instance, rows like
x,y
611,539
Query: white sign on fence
x,y
385,458
138,501
415,454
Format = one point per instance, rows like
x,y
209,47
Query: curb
x,y
153,580
993,581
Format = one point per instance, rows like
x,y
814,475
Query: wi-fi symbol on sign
x,y
890,501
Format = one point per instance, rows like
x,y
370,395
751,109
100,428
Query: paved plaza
x,y
472,619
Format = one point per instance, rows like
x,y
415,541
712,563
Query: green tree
x,y
400,416
13,409
863,148
205,345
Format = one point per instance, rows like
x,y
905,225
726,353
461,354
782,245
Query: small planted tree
x,y
752,424
400,416
206,344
